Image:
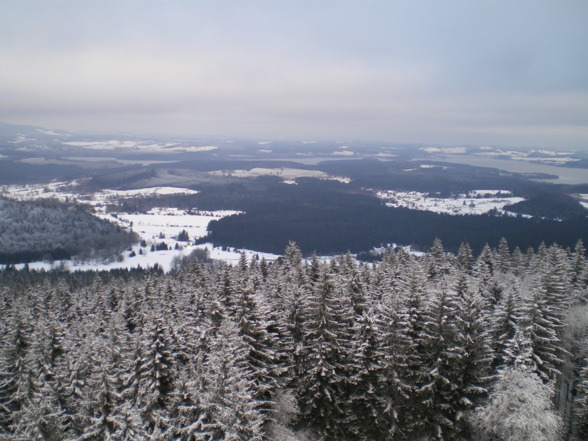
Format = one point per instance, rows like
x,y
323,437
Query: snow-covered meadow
x,y
289,175
70,191
138,146
474,202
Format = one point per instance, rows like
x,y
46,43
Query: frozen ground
x,y
475,202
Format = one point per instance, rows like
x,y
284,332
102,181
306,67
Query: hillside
x,y
32,231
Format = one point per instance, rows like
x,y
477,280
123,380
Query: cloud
x,y
451,72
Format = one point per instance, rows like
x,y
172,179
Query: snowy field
x,y
475,202
157,227
289,175
539,156
547,156
68,191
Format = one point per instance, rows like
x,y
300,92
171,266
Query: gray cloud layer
x,y
473,72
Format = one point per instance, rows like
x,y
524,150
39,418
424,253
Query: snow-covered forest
x,y
49,229
438,346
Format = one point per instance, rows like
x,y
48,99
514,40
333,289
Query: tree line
x,y
439,346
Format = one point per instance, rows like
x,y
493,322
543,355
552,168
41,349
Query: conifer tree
x,y
438,264
259,345
547,312
503,260
465,258
324,389
520,408
17,377
472,371
367,418
231,411
507,318
440,361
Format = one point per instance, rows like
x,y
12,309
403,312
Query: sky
x,y
476,72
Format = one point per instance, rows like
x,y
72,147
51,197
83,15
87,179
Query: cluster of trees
x,y
48,229
439,346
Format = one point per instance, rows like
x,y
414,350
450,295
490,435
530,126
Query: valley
x,y
329,197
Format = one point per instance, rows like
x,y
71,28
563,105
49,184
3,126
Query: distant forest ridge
x,y
327,218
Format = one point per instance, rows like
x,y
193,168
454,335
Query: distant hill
x,y
11,131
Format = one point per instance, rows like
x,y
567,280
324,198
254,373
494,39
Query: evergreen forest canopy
x,y
50,230
439,346
330,218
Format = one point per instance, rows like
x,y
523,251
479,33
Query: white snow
x,y
139,146
169,222
67,191
553,152
150,191
384,155
113,159
462,204
485,193
449,150
204,148
164,259
549,160
344,153
103,145
556,158
432,166
50,132
163,225
287,174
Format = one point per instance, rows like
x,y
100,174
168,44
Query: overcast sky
x,y
512,73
